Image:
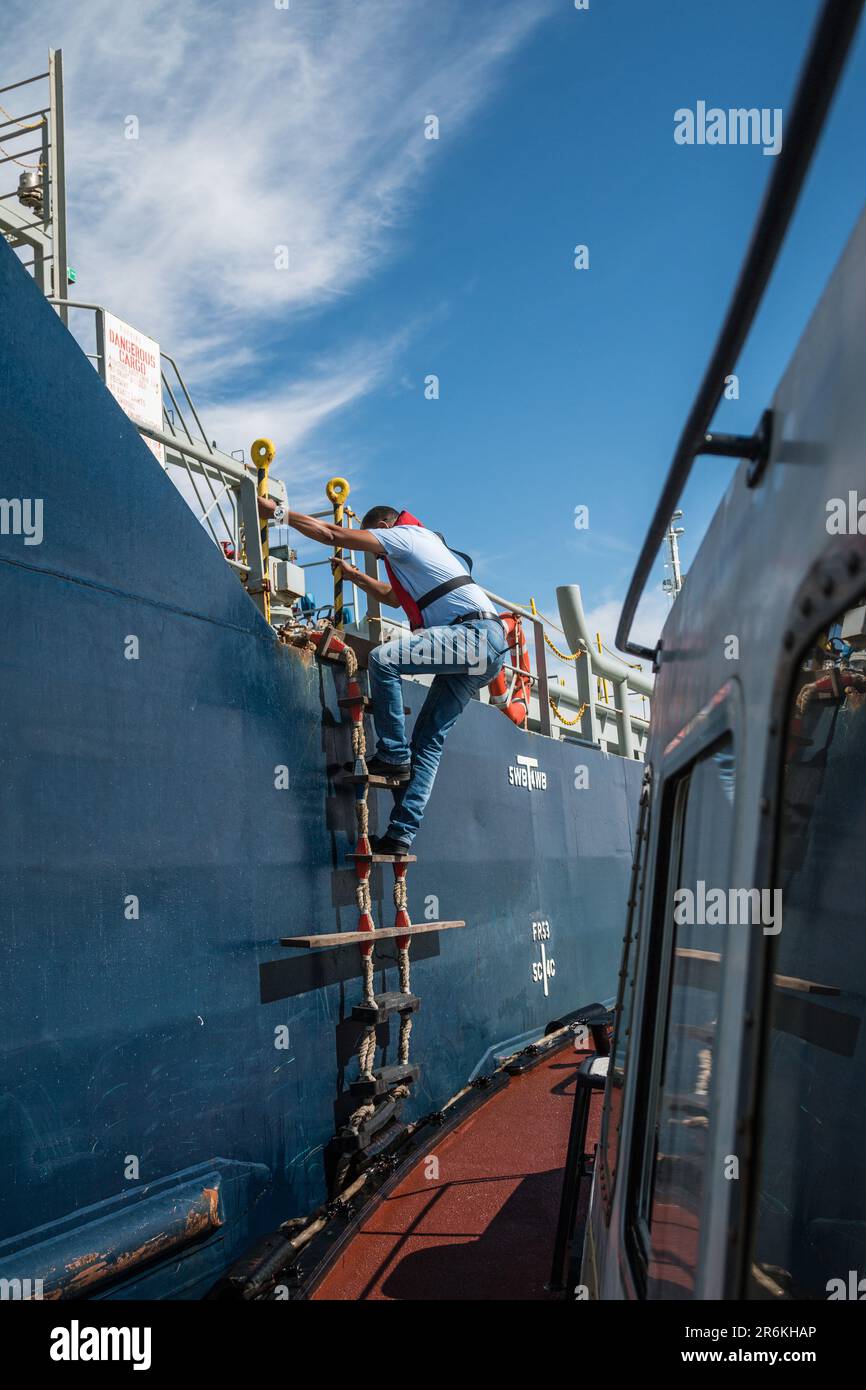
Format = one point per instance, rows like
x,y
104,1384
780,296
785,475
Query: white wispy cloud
x,y
291,412
258,128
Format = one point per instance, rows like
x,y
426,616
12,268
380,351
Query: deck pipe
x,y
624,677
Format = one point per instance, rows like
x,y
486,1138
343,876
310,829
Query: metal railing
x,y
222,490
600,724
32,142
626,680
539,677
219,488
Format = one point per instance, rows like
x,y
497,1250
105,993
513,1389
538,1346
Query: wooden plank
x,y
808,986
780,981
385,1079
353,701
364,938
370,779
391,1002
384,858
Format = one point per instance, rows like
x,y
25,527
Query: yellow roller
x,y
262,453
337,491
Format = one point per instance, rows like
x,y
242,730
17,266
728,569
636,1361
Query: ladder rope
x,y
321,639
367,1046
401,898
405,1019
402,919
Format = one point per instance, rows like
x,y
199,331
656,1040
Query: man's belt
x,y
474,617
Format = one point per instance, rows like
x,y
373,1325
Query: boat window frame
x,y
835,581
628,965
719,719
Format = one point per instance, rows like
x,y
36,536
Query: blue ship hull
x,y
169,1071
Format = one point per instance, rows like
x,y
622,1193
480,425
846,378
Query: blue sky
x,y
407,257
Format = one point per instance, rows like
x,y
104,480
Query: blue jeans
x,y
464,657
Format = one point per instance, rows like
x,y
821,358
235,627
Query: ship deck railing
x,y
569,694
577,684
220,488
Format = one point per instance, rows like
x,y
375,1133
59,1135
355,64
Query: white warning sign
x,y
133,375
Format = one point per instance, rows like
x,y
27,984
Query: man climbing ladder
x,y
455,636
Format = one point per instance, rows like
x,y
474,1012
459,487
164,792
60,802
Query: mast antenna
x,y
673,582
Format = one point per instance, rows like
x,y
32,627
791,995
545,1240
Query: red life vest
x,y
406,601
414,607
511,697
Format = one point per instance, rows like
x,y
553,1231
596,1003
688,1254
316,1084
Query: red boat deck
x,y
479,1222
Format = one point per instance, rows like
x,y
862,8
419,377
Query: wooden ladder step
x,y
381,1120
384,1080
383,858
371,779
366,938
352,702
391,1002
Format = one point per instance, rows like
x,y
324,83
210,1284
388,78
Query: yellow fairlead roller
x,y
262,454
337,491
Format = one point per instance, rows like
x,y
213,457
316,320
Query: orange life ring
x,y
510,691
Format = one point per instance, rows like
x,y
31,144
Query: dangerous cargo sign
x,y
133,375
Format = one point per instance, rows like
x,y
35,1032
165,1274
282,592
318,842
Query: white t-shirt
x,y
421,561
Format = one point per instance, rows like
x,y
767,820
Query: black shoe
x,y
379,768
386,844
